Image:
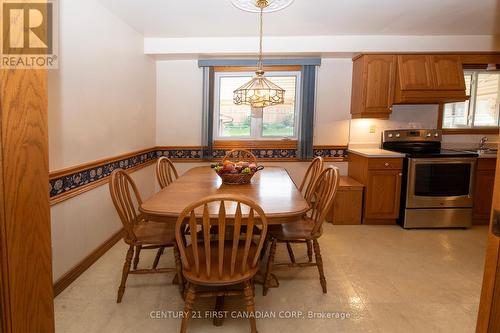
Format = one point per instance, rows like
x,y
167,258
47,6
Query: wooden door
x,y
383,192
26,295
448,72
489,307
415,72
380,74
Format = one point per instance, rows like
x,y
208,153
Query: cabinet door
x,y
380,74
383,194
448,72
483,195
415,72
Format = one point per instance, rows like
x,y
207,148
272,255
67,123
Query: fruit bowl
x,y
236,173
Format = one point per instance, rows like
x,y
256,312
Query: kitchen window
x,y
241,122
482,110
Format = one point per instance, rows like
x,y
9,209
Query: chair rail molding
x,y
70,182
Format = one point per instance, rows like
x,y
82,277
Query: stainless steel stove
x,y
438,183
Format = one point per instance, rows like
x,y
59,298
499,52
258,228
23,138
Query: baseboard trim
x,y
68,278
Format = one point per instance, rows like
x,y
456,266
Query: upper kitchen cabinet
x,y
448,72
415,72
428,79
373,83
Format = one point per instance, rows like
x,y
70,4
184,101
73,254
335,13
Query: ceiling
x,y
219,18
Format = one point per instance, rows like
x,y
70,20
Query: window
x,y
242,122
482,109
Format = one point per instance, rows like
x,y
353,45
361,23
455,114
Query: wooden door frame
x,y
489,307
26,295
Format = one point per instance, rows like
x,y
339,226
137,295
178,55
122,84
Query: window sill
x,y
230,144
461,131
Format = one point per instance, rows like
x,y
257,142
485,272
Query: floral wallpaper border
x,y
70,182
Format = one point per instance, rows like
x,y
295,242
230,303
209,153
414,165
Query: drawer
x,y
486,163
385,163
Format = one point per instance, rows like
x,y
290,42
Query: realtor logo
x,y
28,34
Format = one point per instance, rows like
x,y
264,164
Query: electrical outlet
x,y
373,128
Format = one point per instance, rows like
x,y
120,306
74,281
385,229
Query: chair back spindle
x,y
165,171
235,250
323,194
312,173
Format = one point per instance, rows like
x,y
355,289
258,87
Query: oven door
x,y
440,182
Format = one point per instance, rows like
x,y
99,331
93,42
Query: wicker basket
x,y
236,178
239,178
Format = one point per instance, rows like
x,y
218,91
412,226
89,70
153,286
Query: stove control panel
x,y
412,135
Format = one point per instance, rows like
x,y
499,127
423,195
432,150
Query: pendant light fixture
x,y
259,92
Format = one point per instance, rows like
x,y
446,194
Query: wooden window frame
x,y
268,143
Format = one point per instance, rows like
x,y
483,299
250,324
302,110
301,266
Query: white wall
x,y
101,103
333,102
368,132
324,45
179,100
102,98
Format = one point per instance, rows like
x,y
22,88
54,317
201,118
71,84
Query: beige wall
x,y
102,99
179,102
82,224
101,103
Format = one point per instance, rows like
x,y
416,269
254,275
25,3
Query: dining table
x,y
271,188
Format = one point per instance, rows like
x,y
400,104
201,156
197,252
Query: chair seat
x,y
154,233
298,230
226,278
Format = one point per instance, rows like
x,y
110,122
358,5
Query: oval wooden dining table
x,y
271,188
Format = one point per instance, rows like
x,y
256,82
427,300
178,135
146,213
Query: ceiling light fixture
x,y
273,5
259,92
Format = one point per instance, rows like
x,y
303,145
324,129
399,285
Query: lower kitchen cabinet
x,y
383,191
348,204
382,180
483,190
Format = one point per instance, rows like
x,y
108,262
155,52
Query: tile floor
x,y
385,278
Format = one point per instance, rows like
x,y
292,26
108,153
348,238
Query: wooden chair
x,y
226,260
308,228
139,233
165,171
306,187
237,155
313,171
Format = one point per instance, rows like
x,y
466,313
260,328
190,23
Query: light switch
x,y
373,129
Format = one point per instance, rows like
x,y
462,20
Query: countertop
x,y
375,152
483,155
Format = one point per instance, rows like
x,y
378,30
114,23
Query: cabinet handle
x,y
386,164
400,174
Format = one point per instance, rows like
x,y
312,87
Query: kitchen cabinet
x,y
414,72
483,190
382,180
422,78
373,86
348,204
448,72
